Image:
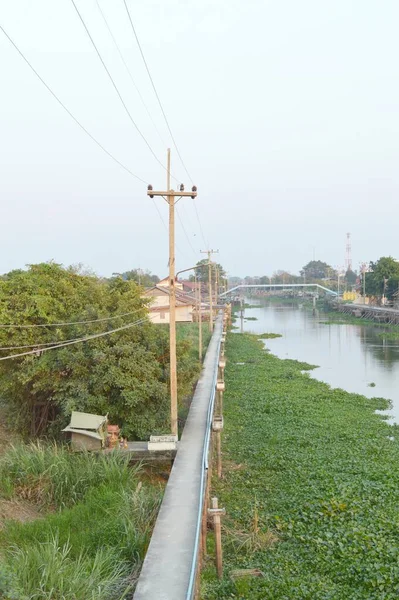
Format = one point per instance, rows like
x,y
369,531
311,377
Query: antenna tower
x,y
348,254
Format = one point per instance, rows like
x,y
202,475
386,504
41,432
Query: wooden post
x,y
216,513
210,293
219,453
172,311
199,320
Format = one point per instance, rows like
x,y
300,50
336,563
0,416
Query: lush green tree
x,y
140,276
202,271
124,374
383,277
350,278
316,269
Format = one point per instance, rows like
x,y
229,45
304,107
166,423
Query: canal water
x,y
347,356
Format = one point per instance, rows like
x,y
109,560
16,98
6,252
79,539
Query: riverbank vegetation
x,y
310,486
124,374
385,331
90,524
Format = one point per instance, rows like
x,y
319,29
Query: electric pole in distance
x,y
172,198
209,253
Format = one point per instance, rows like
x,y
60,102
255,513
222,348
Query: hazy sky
x,y
285,113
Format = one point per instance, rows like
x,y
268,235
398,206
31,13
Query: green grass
x,y
311,486
51,475
96,525
389,332
190,333
268,336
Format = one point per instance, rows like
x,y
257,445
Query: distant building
x,y
160,303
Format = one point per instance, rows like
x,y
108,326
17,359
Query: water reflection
x,y
348,356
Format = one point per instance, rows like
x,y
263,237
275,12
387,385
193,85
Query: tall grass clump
x,y
50,573
96,525
52,475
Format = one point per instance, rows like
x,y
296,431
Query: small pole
x,y
216,512
218,453
209,253
199,321
210,292
242,314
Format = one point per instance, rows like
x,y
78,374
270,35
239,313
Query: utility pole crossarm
x,y
151,193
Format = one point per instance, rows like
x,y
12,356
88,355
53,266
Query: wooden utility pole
x,y
170,196
209,253
199,314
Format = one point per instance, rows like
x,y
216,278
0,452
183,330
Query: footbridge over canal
x,y
276,286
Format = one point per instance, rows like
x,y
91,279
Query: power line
x,y
82,127
164,115
129,72
155,91
199,223
53,343
64,323
185,231
70,343
116,87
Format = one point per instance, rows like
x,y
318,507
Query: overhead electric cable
x,y
163,113
53,343
85,339
65,323
185,231
130,73
116,87
155,91
200,226
83,128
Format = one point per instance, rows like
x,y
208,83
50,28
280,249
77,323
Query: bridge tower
x,y
348,253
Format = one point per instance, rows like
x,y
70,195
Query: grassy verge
x,y
95,525
190,333
310,487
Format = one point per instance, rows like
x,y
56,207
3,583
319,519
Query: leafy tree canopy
x,y
202,271
125,374
140,276
316,269
350,277
383,277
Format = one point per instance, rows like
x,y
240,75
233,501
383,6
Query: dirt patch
x,y
17,511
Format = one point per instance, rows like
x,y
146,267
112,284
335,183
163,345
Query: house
x,y
159,307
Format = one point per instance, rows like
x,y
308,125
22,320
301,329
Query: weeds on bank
x,y
324,469
93,540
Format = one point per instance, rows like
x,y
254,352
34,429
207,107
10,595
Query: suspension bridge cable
x,y
79,341
116,88
82,127
129,73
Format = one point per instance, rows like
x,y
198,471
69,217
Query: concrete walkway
x,y
168,571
